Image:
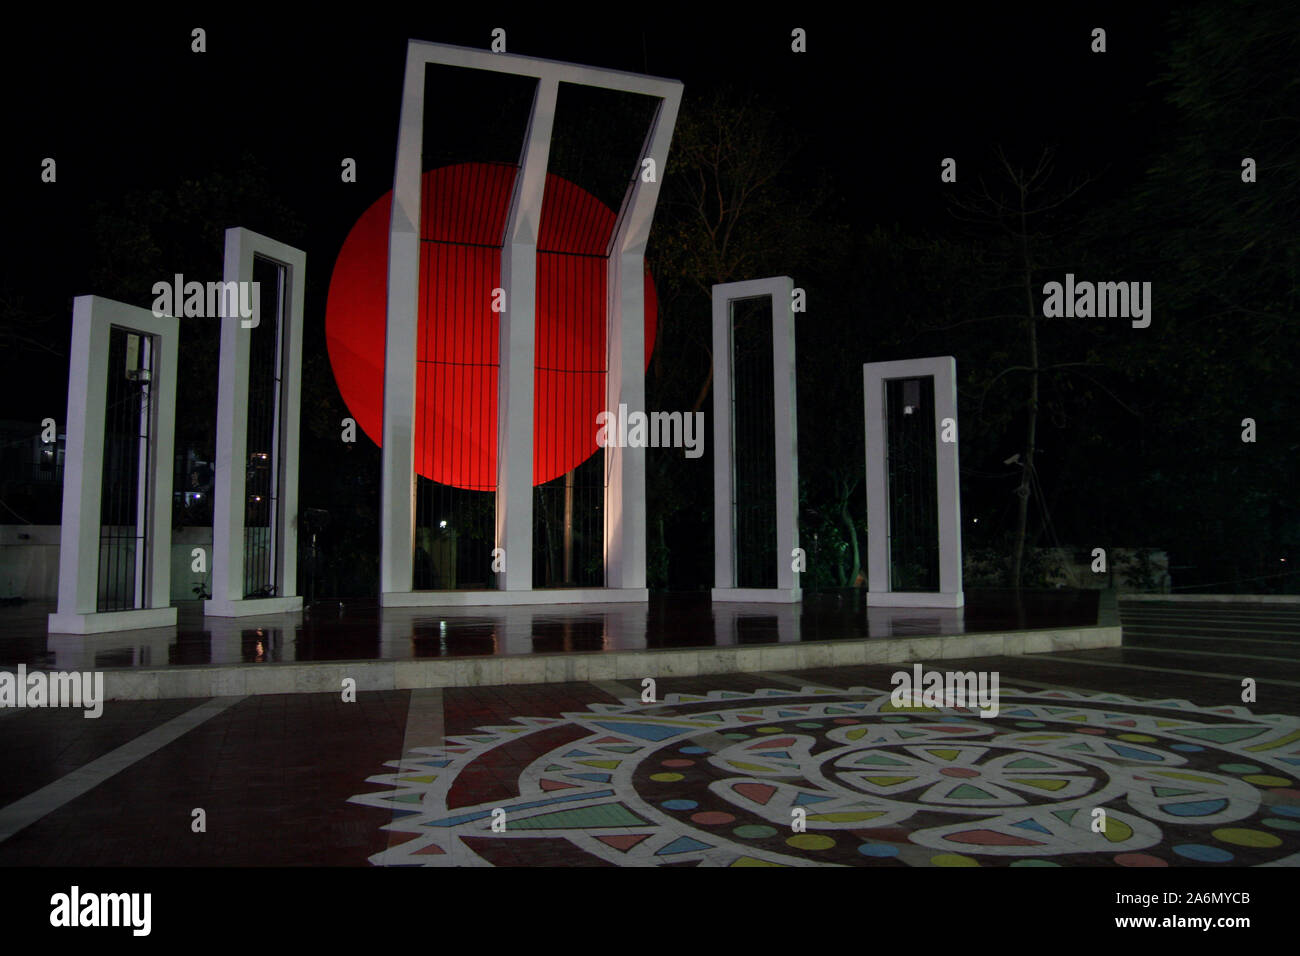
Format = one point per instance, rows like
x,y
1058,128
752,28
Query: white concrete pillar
x,y
625,468
229,504
515,413
785,438
397,491
79,549
874,375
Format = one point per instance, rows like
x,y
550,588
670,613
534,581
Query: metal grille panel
x,y
124,512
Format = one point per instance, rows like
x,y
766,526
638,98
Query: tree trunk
x,y
568,527
1027,462
704,390
663,549
853,540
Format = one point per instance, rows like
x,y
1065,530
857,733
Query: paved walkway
x,y
1144,755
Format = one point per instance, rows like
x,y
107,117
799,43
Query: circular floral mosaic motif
x,y
821,776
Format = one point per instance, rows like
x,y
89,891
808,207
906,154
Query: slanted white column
x,y
785,437
397,487
874,376
514,517
79,549
229,505
625,517
625,514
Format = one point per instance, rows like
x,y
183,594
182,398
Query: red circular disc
x,y
465,209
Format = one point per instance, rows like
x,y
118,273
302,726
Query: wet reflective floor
x,y
361,631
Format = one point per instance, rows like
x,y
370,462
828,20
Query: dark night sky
x,y
877,101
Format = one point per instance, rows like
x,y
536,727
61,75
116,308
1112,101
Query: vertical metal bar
x,y
142,476
274,557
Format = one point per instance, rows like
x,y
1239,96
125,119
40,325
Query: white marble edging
x,y
327,677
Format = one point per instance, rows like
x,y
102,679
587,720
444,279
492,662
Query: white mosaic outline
x,y
424,787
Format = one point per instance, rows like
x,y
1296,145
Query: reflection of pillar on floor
x,y
226,643
227,647
625,627
264,645
399,627
787,622
148,648
227,636
69,653
276,645
515,630
286,648
396,629
724,625
729,617
901,622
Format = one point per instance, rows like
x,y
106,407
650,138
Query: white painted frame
x,y
625,516
943,369
93,317
780,290
227,560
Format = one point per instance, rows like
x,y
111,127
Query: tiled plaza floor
x,y
794,768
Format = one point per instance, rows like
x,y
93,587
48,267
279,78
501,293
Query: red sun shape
x,y
465,208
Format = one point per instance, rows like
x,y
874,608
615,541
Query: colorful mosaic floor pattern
x,y
819,776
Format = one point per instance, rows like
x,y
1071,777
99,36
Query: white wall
x,y
29,568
